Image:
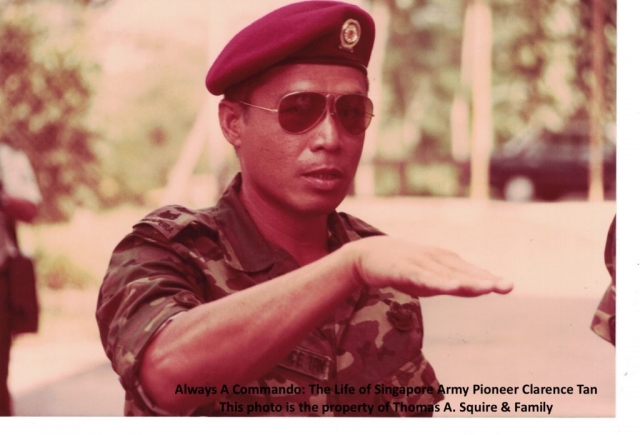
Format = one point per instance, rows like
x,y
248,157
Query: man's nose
x,y
328,131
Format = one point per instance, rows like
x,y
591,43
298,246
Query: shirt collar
x,y
245,247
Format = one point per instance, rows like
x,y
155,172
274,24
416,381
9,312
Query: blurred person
x,y
604,320
272,299
19,198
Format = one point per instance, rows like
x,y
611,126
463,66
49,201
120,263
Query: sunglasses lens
x,y
298,112
354,112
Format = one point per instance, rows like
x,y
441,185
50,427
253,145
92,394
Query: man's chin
x,y
320,204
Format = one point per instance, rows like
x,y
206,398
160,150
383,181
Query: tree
x,y
478,27
44,97
596,167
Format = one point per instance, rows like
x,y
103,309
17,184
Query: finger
x,y
504,286
452,260
482,287
469,277
418,281
424,283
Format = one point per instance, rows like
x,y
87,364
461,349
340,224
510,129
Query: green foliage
x,y
418,177
44,97
542,63
144,123
422,69
435,179
59,271
150,91
421,74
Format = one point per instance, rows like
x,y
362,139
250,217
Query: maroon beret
x,y
325,32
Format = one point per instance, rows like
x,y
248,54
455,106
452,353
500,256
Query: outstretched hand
x,y
420,270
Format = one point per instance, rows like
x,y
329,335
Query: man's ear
x,y
231,117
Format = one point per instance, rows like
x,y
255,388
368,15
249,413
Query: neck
x,y
304,237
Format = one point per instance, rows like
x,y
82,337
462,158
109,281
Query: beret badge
x,y
350,34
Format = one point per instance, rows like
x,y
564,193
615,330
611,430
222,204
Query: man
x,y
270,302
19,198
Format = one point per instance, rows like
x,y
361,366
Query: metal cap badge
x,y
350,34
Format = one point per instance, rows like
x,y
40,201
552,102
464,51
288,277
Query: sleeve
x,y
604,320
148,282
18,178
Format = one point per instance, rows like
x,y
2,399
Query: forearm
x,y
239,338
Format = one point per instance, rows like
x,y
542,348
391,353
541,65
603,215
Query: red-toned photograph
x,y
373,208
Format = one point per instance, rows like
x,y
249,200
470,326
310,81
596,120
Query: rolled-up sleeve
x,y
147,283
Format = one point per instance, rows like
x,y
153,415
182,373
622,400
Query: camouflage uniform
x,y
604,321
176,259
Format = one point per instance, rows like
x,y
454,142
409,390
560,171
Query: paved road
x,y
92,392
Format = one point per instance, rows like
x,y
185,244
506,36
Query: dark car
x,y
547,164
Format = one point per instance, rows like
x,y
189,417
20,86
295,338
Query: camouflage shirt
x,y
604,321
176,259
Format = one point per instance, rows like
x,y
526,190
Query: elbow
x,y
159,377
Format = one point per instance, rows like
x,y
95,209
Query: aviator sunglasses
x,y
299,112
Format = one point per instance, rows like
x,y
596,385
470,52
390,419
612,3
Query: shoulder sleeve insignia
x,y
168,214
169,220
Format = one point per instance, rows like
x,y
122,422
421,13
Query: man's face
x,y
307,173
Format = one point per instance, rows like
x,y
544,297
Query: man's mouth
x,y
325,178
325,174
